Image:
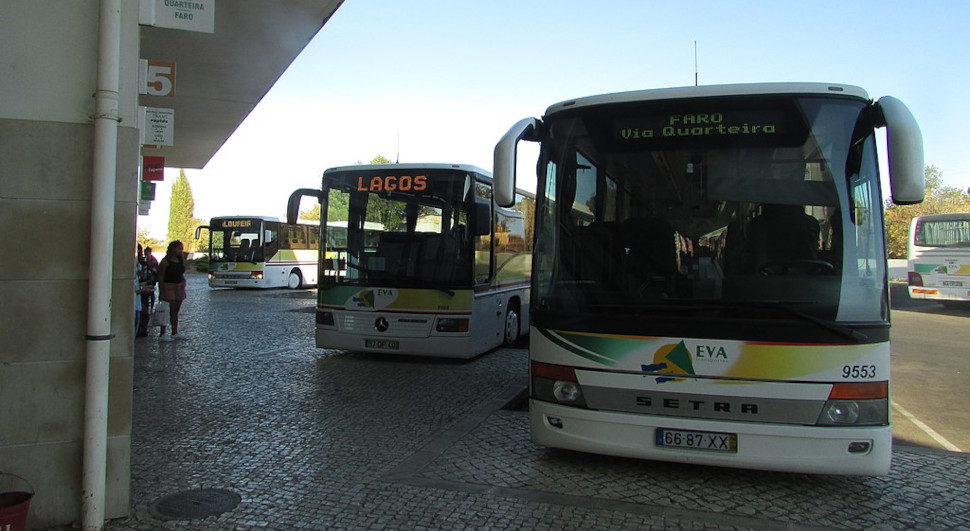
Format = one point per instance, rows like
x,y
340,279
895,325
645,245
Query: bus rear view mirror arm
x,y
504,160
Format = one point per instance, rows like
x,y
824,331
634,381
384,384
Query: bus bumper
x,y
939,293
235,283
805,449
463,347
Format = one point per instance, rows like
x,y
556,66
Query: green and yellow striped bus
x,y
261,252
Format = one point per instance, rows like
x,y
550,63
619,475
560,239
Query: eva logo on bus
x,y
952,267
372,299
677,359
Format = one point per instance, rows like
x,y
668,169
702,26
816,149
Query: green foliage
x,y
940,199
202,242
390,214
145,240
338,206
181,222
199,264
311,215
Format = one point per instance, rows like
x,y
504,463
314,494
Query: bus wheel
x,y
511,325
294,281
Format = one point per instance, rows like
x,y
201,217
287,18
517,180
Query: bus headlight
x,y
854,413
841,412
556,383
450,324
256,275
566,391
325,318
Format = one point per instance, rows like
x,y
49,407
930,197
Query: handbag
x,y
160,315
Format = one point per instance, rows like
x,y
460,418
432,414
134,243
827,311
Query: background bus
x,y
261,252
710,279
938,258
429,266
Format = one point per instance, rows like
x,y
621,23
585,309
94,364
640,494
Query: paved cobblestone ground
x,y
314,439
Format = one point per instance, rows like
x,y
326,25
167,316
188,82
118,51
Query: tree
x,y
380,159
145,240
389,213
939,199
202,242
311,215
181,222
338,207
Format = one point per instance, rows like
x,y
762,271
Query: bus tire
x,y
511,333
294,281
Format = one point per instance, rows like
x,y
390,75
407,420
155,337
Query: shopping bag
x,y
160,315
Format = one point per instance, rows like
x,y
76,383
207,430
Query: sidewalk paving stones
x,y
315,439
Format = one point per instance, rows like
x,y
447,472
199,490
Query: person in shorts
x,y
171,286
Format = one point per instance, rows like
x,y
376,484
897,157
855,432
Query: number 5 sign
x,y
156,78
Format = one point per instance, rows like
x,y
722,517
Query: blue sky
x,y
442,80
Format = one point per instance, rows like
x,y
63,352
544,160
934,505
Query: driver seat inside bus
x,y
782,234
243,250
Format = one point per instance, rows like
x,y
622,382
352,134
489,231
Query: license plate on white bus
x,y
698,440
386,344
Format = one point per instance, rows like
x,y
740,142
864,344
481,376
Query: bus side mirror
x,y
293,204
907,180
198,230
503,165
483,218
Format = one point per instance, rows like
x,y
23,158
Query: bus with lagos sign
x,y
425,263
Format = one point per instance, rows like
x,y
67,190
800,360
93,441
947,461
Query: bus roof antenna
x,y
695,62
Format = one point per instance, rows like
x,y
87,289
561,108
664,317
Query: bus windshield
x,y
407,230
710,211
236,240
949,230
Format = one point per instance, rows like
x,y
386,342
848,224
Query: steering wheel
x,y
786,267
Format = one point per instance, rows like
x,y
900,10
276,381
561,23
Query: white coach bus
x,y
261,252
710,279
428,265
938,256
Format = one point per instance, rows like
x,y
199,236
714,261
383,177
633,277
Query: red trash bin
x,y
14,505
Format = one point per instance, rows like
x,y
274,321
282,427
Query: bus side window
x,y
483,243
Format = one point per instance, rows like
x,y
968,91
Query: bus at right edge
x,y
938,258
709,276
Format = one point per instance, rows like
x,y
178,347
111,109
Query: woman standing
x,y
171,286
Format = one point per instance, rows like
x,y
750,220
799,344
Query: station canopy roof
x,y
221,76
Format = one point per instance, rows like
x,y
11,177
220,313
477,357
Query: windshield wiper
x,y
844,331
705,304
